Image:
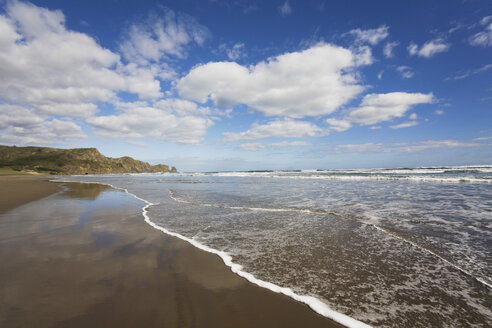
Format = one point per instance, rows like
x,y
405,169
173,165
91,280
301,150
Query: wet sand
x,y
16,190
85,257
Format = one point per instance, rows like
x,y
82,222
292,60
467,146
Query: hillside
x,y
71,161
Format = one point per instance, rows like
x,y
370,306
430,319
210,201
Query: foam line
x,y
259,209
466,272
315,304
365,178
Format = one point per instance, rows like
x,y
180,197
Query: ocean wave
x,y
358,177
444,174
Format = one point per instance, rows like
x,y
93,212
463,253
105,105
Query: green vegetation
x,y
71,161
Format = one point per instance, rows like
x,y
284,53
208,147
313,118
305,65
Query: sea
x,y
401,247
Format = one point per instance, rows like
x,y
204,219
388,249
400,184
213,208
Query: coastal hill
x,y
71,161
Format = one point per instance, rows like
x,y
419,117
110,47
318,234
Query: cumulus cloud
x,y
371,36
143,122
285,9
376,108
428,49
182,107
160,36
313,82
338,125
277,129
388,49
405,71
22,126
255,146
408,147
57,71
483,38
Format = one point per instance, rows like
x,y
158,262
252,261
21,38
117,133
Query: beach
x,y
388,248
78,255
16,190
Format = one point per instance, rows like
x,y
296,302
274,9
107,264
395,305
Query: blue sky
x,y
247,85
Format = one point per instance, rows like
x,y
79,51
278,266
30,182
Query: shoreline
x,y
231,299
315,304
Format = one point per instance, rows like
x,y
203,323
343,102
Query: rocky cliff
x,y
72,161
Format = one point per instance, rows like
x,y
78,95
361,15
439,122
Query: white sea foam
x,y
386,231
466,272
390,178
259,209
452,174
447,174
314,303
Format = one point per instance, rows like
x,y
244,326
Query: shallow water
x,y
400,247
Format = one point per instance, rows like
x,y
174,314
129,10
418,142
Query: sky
x,y
251,85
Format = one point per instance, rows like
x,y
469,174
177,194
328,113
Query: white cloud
x,y
235,52
471,72
380,75
405,71
162,35
388,49
152,122
277,129
486,20
252,146
255,146
285,9
290,144
413,49
338,125
483,138
313,82
363,55
404,125
53,70
376,108
428,49
456,27
483,38
408,147
182,107
439,112
76,110
22,126
371,36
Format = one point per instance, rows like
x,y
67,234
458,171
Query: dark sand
x,y
86,258
16,190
